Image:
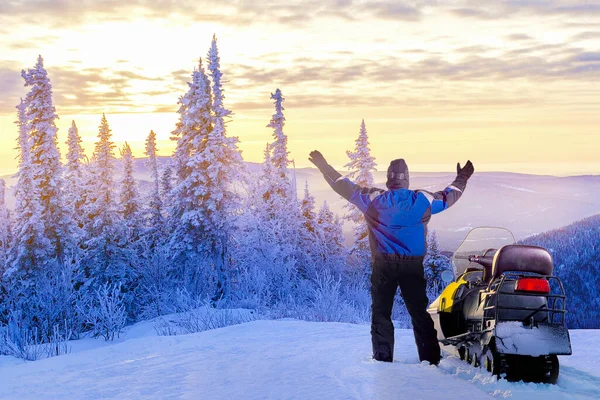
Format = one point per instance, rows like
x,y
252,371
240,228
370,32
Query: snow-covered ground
x,y
284,359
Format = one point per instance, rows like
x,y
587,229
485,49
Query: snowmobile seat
x,y
518,257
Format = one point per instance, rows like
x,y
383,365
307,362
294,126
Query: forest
x,y
83,253
575,250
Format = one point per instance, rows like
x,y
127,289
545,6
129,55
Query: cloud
x,y
503,9
393,11
236,12
392,77
587,35
518,37
471,13
593,57
11,87
79,89
295,14
529,63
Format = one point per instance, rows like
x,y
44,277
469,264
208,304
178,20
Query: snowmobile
x,y
504,310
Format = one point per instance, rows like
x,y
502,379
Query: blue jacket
x,y
397,218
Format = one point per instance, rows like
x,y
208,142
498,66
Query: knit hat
x,y
397,175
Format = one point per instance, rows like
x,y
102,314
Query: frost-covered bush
x,y
251,289
19,341
357,290
156,288
104,312
328,303
41,301
59,342
202,319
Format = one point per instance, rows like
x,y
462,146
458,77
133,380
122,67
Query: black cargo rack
x,y
554,312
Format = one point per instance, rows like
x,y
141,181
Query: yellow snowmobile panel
x,y
446,299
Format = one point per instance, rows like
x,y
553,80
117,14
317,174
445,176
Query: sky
x,y
511,85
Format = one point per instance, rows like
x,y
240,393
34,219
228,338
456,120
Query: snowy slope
x,y
284,359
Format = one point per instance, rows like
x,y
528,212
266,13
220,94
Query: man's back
x,y
397,222
397,218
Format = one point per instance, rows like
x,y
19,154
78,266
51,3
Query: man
x,y
397,224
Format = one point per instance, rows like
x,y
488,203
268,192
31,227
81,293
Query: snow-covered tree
x,y
130,198
5,229
40,116
308,258
280,158
435,262
281,184
30,248
360,166
307,208
332,248
223,173
105,256
186,216
166,186
154,217
74,175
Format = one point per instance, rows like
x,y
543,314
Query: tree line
x,y
83,252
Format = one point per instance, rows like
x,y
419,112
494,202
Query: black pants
x,y
389,272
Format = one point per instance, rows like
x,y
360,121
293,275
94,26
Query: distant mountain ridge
x,y
525,204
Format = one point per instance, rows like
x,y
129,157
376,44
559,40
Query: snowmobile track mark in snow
x,y
572,380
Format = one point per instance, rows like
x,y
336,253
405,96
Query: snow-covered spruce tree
x,y
309,235
332,250
29,255
223,172
30,250
435,263
307,208
186,220
360,166
5,229
40,116
154,215
166,188
74,176
130,199
281,185
280,158
106,258
280,196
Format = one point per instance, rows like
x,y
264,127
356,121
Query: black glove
x,y
463,174
327,170
317,158
465,171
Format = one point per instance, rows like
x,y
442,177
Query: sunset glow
x,y
512,87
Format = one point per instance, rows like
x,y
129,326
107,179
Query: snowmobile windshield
x,y
483,241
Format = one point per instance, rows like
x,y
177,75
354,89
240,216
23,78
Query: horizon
x,y
12,174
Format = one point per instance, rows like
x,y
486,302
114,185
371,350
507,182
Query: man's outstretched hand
x,y
465,171
317,158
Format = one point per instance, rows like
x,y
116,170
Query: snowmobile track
x,y
573,384
578,383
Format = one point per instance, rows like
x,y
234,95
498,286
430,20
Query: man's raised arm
x,y
446,198
357,195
